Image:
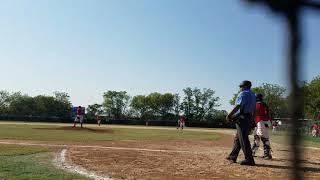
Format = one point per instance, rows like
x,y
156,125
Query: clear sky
x,y
86,47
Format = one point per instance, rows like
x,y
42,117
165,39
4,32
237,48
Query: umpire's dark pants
x,y
241,140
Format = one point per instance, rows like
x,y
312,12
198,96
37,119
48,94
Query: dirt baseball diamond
x,y
194,160
174,159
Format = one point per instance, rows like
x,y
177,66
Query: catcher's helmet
x,y
259,97
245,83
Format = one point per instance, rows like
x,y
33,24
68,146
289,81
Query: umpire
x,y
242,114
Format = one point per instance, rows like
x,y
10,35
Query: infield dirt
x,y
170,159
201,160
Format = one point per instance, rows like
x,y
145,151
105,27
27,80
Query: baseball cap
x,y
245,83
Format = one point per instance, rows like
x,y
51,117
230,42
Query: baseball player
x,y
261,131
182,121
274,127
79,117
98,118
315,128
178,123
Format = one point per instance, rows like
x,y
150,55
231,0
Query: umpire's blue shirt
x,y
247,100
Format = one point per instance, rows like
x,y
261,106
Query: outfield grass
x,y
280,139
21,162
307,141
311,141
49,133
28,162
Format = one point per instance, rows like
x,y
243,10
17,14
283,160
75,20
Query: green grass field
x,y
24,162
307,140
311,141
29,162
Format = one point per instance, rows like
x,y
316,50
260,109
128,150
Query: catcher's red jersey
x,y
262,112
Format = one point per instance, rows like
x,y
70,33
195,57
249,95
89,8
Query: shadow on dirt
x,y
77,129
305,169
302,161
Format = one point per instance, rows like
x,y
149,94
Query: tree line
x,y
277,98
197,105
16,103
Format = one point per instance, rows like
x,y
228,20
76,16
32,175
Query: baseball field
x,y
58,151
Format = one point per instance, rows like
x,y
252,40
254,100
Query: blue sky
x,y
87,47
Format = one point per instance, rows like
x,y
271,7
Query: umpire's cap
x,y
245,83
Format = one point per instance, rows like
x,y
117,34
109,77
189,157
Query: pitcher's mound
x,y
70,128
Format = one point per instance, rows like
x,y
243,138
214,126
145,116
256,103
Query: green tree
x,y
312,98
155,105
207,104
153,101
115,103
62,97
39,105
4,101
94,110
176,105
218,119
45,106
21,104
274,96
63,105
187,105
140,105
197,104
234,98
166,103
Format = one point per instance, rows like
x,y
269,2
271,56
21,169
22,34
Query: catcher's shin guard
x,y
254,148
256,144
266,148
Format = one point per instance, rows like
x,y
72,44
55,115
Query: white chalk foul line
x,y
60,161
111,147
98,147
313,148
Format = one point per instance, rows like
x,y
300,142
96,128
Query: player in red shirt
x,y
182,121
261,132
79,117
315,130
274,127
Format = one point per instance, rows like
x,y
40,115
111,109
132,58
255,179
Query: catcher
x,y
261,131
